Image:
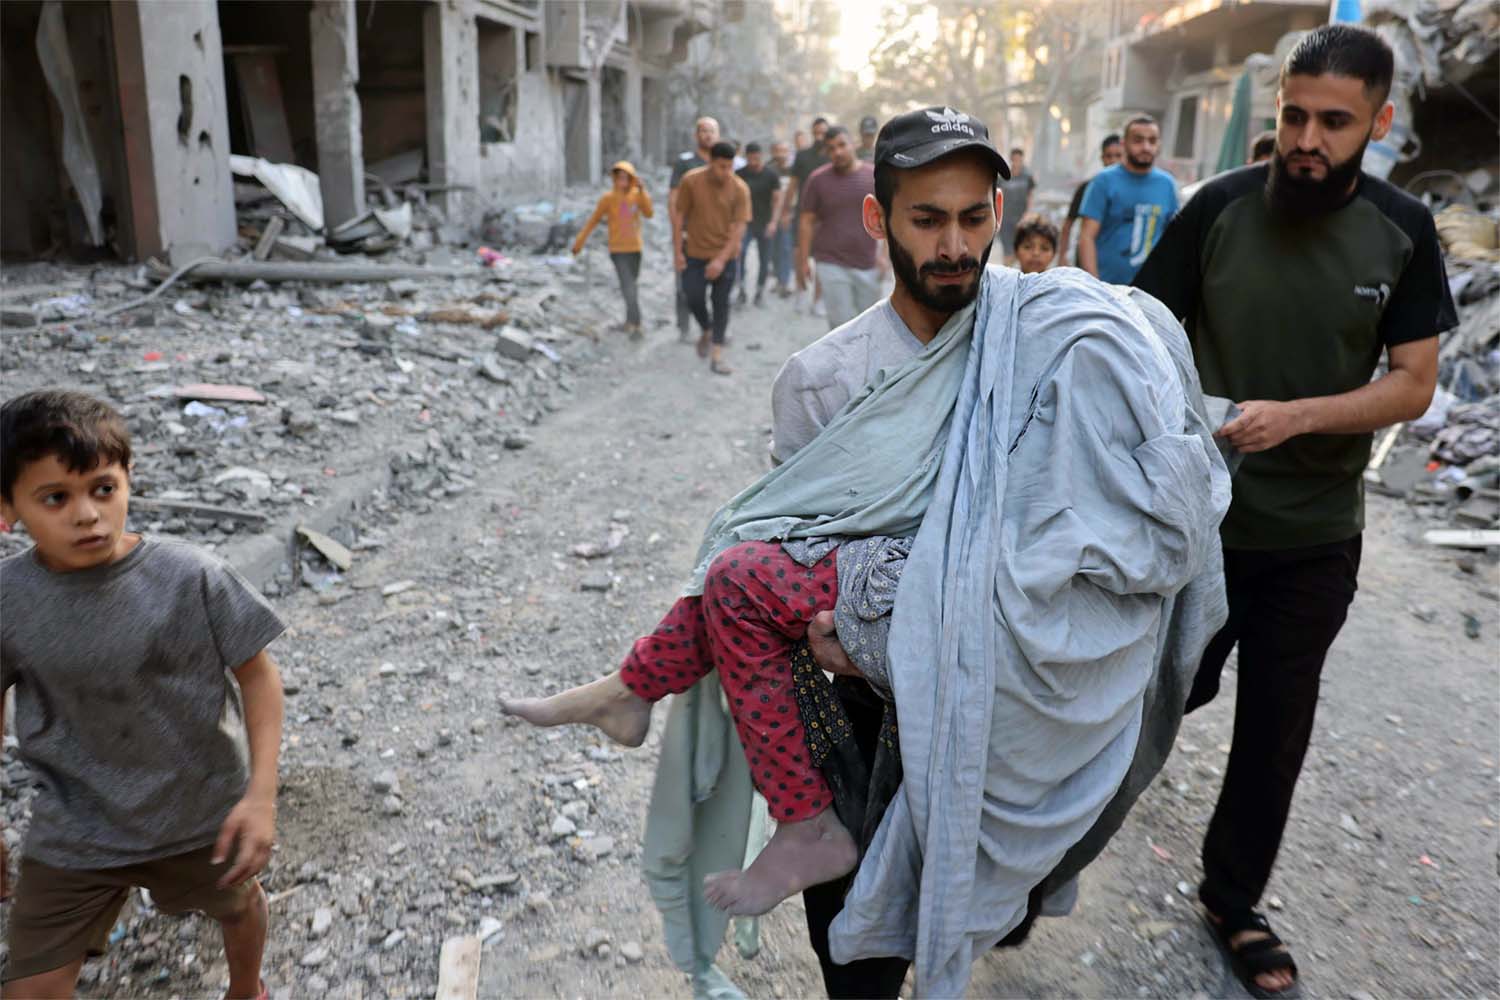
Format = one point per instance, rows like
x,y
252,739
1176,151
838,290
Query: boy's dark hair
x,y
834,131
721,150
1264,145
1139,120
1037,225
752,147
1017,149
820,120
1344,50
885,187
1113,139
83,432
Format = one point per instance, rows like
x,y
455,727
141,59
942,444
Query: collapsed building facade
x,y
120,118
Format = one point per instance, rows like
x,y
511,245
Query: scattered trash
x,y
295,187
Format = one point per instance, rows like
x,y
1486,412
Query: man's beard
x,y
1301,197
1141,162
945,298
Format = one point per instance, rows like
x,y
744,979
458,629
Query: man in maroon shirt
x,y
831,232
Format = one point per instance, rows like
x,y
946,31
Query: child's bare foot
x,y
606,704
799,855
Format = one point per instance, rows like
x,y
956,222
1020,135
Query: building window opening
x,y
499,81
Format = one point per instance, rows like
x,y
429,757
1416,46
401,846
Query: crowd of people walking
x,y
799,206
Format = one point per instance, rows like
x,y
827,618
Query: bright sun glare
x,y
859,30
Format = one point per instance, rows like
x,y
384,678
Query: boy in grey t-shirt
x,y
147,708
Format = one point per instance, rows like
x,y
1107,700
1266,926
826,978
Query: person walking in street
x,y
1111,151
868,126
706,133
708,224
765,208
1293,277
1126,207
831,232
1263,147
1017,192
622,207
807,160
1036,243
783,245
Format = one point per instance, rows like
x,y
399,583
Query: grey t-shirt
x,y
818,380
127,711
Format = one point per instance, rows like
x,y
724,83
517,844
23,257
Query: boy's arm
x,y
776,198
643,199
675,210
252,821
1088,249
4,858
588,227
807,227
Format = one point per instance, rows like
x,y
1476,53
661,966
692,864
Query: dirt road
x,y
1387,885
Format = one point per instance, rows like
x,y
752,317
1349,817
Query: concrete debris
x,y
268,236
295,187
209,392
597,582
458,968
335,552
600,549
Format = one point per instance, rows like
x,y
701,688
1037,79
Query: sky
x,y
859,30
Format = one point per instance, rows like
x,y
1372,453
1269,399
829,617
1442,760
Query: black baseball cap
x,y
919,137
868,124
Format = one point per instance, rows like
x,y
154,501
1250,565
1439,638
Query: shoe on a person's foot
x,y
760,299
741,298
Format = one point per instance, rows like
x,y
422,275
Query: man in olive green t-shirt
x,y
1292,278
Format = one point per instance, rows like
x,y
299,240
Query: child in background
x,y
622,207
147,708
1036,243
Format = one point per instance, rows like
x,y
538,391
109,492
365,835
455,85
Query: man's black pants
x,y
696,283
1285,608
763,253
870,977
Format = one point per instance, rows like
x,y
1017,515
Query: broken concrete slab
x,y
1458,538
296,247
514,344
210,392
187,509
268,236
19,318
247,271
458,968
335,552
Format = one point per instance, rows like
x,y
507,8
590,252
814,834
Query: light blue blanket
x,y
1072,505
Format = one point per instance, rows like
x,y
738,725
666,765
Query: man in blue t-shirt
x,y
1127,207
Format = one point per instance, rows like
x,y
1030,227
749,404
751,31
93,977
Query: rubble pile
x,y
1447,462
258,403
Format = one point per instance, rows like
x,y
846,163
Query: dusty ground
x,y
1387,884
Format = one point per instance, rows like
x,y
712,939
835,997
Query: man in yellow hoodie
x,y
622,207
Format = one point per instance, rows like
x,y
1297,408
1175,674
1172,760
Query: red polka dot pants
x,y
757,602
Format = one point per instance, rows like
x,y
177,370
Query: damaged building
x,y
120,118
